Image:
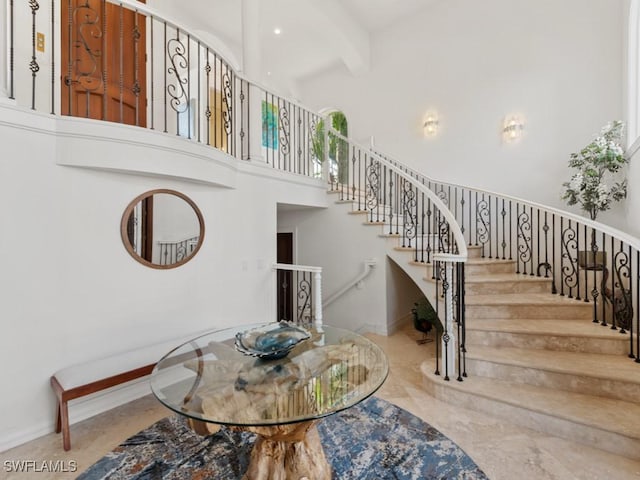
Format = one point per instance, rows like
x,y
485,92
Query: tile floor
x,y
503,450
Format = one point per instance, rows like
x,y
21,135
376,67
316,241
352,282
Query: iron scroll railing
x,y
298,293
125,62
585,260
407,209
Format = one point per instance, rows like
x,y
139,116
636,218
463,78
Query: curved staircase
x,y
533,358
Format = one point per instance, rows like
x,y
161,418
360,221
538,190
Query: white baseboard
x,y
80,410
396,325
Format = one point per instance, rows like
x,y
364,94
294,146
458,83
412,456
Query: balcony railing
x,y
298,293
125,62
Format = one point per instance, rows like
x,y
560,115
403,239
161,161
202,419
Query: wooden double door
x,y
103,62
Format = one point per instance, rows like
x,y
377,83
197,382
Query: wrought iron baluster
x,y
569,268
136,66
121,78
537,243
554,288
391,205
232,112
423,239
298,142
524,239
198,99
462,203
152,71
207,112
503,213
372,187
227,108
546,264
613,285
531,244
12,48
33,65
470,219
359,178
577,260
429,233
446,337
285,135
53,62
166,49
103,62
622,299
483,228
176,89
188,98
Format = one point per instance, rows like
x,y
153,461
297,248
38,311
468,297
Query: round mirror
x,y
162,228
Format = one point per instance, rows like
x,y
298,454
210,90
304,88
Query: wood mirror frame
x,y
127,225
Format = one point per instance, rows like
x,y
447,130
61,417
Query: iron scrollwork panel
x,y
372,185
524,239
409,220
303,299
284,130
569,261
620,297
483,222
178,69
227,99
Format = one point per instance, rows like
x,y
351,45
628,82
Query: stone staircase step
x,y
526,305
506,283
566,335
610,376
604,423
485,266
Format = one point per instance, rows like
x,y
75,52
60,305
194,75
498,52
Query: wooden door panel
x,y
103,62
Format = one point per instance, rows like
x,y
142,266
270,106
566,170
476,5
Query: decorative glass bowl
x,y
271,341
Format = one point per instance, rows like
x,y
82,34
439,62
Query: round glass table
x,y
216,380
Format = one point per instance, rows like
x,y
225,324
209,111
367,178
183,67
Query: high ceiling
x,y
315,34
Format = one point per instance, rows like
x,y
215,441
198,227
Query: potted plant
x,y
593,185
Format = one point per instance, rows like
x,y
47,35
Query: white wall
x,y
632,204
557,64
69,291
339,243
402,293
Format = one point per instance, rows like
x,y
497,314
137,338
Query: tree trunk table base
x,y
287,452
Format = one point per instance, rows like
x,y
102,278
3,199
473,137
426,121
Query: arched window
x,y
338,148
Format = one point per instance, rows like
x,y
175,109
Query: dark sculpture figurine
x,y
425,318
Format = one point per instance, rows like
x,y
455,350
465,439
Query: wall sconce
x,y
431,125
512,129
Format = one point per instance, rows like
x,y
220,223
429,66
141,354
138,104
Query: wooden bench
x,y
90,377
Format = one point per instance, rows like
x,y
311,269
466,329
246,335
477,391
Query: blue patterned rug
x,y
374,440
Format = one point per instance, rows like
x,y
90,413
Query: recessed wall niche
x,y
162,228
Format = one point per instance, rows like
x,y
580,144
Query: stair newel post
x,y
317,295
275,291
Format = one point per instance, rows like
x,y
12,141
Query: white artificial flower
x,y
576,182
603,194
